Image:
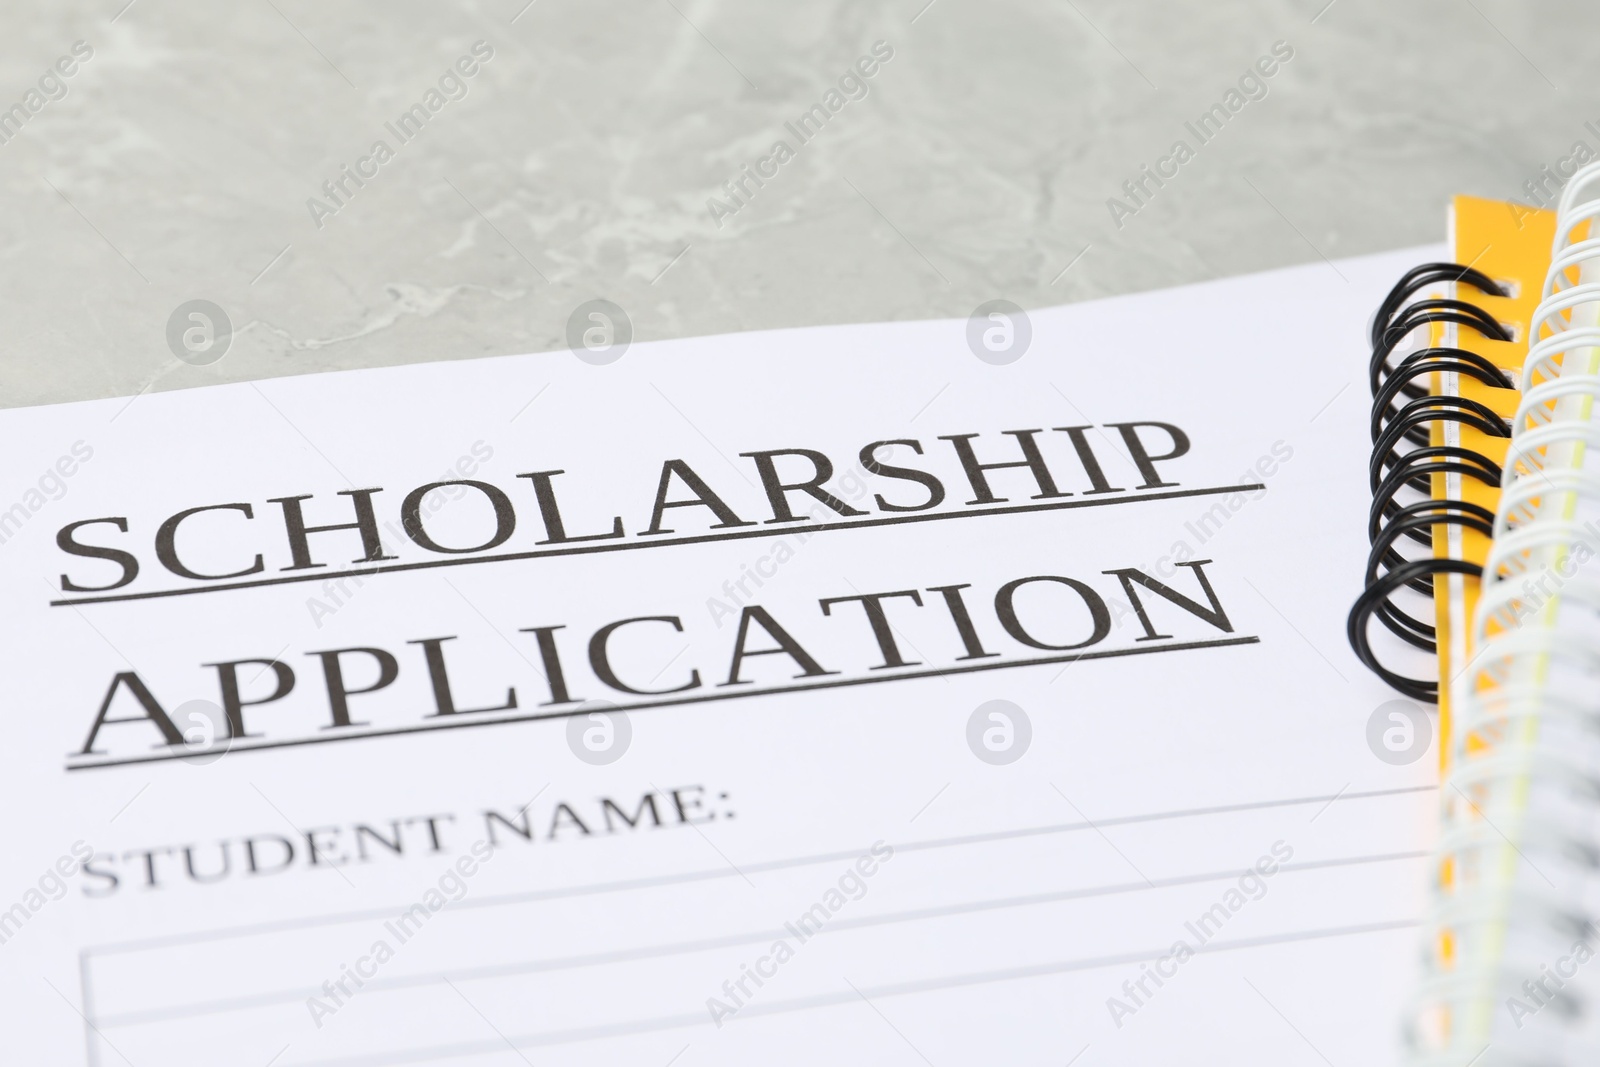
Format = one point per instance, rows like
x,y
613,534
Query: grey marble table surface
x,y
935,154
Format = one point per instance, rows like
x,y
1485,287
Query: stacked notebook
x,y
1484,377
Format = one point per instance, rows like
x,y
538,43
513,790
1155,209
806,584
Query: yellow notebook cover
x,y
1511,244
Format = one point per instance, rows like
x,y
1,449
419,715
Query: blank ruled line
x,y
765,529
600,1031
582,708
734,940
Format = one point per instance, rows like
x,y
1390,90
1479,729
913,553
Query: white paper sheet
x,y
911,872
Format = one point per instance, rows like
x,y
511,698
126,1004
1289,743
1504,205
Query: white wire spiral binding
x,y
1517,868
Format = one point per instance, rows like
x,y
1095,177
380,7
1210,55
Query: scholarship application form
x,y
917,693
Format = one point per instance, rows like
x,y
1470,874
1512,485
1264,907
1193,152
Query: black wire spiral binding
x,y
1403,460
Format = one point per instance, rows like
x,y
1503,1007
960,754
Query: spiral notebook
x,y
729,700
1484,375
